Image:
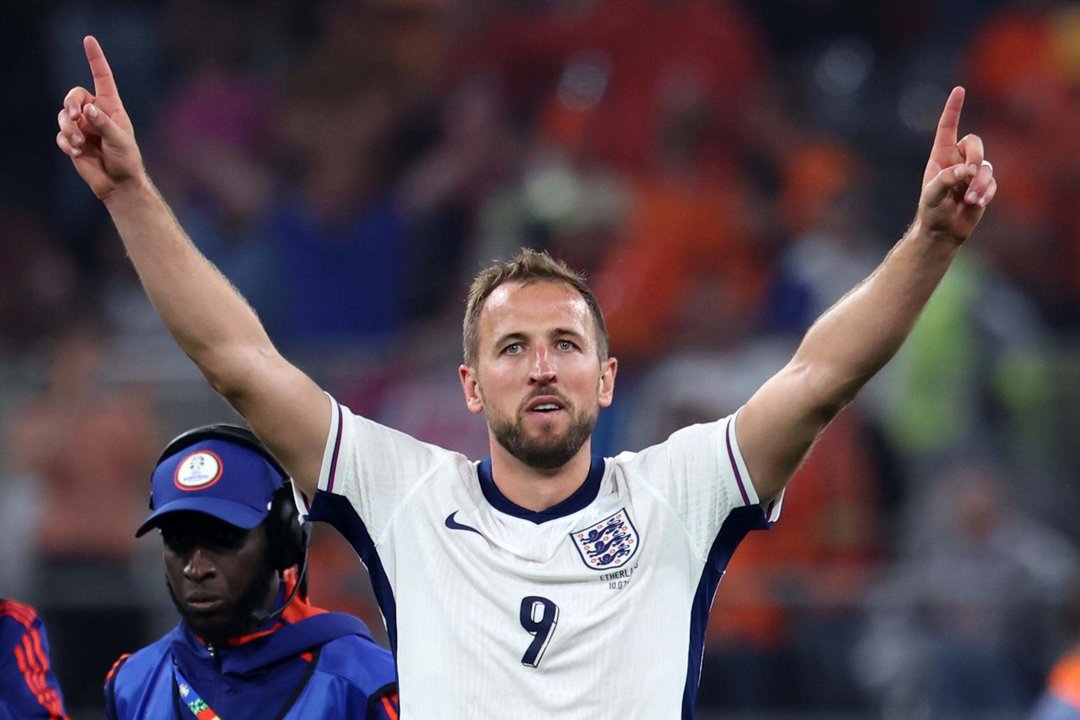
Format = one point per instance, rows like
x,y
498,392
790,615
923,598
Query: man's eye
x,y
228,539
177,542
565,345
513,348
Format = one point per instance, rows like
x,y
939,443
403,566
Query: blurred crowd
x,y
722,170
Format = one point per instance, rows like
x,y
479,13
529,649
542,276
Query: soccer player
x,y
28,687
248,644
541,581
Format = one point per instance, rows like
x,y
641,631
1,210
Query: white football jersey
x,y
595,608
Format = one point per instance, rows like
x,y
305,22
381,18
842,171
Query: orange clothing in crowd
x,y
1064,681
821,552
89,448
685,272
92,470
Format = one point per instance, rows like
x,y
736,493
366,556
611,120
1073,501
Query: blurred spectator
x,y
790,606
215,159
612,83
87,446
1022,66
1061,699
41,289
337,229
823,205
974,376
957,621
685,268
554,202
472,156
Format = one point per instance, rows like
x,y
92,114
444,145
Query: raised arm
x,y
207,317
852,340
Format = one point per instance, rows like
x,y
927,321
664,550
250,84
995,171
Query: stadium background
x,y
722,170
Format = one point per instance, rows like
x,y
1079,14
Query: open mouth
x,y
544,405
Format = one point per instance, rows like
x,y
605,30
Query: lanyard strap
x,y
191,699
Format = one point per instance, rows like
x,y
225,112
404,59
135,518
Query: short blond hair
x,y
527,266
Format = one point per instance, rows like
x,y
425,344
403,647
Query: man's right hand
x,y
95,130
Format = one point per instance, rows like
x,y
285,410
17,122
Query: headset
x,y
287,535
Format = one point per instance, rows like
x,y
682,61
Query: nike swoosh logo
x,y
455,525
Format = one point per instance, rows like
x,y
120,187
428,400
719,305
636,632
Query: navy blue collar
x,y
288,641
578,500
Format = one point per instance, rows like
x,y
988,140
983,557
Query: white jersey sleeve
x,y
374,467
700,473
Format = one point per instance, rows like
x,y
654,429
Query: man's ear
x,y
470,384
606,391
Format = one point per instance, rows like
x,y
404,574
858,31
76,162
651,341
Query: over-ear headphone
x,y
287,535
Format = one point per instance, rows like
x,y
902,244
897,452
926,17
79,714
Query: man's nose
x,y
543,370
199,566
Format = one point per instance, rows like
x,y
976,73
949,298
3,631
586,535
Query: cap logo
x,y
199,470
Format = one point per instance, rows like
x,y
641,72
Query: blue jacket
x,y
28,688
322,666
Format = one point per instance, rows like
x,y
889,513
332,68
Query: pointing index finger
x,y
104,84
945,139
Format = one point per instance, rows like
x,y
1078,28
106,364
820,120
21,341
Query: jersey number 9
x,y
539,617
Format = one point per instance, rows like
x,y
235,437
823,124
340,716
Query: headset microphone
x,y
261,616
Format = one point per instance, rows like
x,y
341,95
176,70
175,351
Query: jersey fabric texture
x,y
315,664
1061,701
28,687
593,608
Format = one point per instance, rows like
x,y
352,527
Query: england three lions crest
x,y
609,543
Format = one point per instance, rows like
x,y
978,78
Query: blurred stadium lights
x,y
844,67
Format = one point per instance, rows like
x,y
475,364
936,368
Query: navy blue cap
x,y
215,476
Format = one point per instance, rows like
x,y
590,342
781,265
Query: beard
x,y
237,620
548,453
